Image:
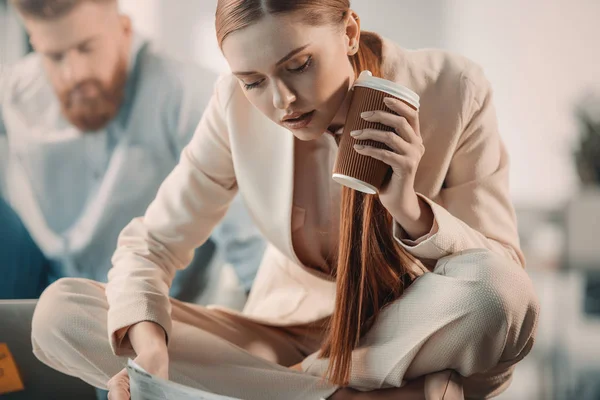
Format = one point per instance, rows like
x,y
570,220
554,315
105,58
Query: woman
x,y
293,62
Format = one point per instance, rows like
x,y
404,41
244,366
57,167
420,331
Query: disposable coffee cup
x,y
355,170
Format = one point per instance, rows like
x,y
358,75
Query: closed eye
x,y
55,57
303,67
85,49
253,85
299,70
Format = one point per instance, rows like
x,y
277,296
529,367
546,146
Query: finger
x,y
389,138
119,392
396,122
118,386
389,157
118,377
403,109
396,161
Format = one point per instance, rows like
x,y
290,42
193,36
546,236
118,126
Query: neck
x,y
340,117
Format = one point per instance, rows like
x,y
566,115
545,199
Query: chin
x,y
307,135
312,131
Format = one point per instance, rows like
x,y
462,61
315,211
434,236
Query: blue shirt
x,y
76,191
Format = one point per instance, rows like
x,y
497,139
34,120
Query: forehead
x,y
86,20
265,42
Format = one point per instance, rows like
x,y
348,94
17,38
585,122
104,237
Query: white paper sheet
x,y
145,386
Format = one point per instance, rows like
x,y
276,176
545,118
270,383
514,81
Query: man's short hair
x,y
48,9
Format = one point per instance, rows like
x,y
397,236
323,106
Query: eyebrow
x,y
284,59
80,44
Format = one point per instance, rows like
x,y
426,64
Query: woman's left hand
x,y
405,151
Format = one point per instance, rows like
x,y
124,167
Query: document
x,y
145,386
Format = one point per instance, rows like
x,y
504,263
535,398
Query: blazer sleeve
x,y
188,205
474,209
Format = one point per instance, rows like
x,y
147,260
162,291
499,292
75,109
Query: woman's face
x,y
296,74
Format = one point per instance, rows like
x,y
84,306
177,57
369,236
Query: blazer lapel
x,y
267,186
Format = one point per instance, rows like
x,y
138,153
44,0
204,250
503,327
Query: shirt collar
x,y
138,44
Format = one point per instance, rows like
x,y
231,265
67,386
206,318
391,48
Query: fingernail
x,y
388,100
358,147
367,114
356,133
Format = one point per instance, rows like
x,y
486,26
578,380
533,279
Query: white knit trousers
x,y
476,313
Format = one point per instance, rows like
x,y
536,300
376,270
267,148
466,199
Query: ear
x,y
352,32
126,25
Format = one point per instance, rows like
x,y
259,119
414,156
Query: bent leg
x,y
476,314
208,349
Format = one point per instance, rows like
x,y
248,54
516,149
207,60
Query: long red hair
x,y
371,269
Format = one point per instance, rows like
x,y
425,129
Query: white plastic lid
x,y
366,79
354,183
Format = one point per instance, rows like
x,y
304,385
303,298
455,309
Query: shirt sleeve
x,y
242,242
188,103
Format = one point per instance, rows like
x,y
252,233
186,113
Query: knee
x,y
505,305
57,316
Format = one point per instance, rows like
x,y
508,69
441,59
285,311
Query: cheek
x,y
54,74
262,101
103,67
328,81
104,62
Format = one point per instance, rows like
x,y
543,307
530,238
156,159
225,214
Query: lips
x,y
297,120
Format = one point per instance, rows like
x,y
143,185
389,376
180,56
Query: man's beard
x,y
93,111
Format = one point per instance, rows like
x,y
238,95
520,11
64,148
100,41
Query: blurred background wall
x,y
541,56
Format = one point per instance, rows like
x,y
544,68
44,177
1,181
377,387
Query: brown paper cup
x,y
352,169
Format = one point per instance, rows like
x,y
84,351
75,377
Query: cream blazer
x,y
463,176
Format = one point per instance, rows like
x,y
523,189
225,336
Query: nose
x,y
75,68
282,95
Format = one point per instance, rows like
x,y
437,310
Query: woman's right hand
x,y
155,363
149,342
